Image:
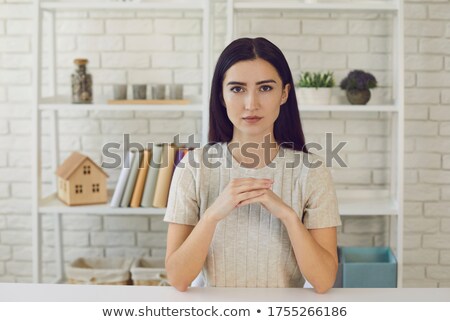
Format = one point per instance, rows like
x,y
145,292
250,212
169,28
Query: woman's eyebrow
x,y
257,83
266,81
236,83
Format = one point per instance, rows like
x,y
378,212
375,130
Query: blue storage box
x,y
368,267
338,282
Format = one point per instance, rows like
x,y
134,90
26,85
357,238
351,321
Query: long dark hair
x,y
288,127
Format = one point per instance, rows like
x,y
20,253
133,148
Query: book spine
x,y
125,202
140,181
164,177
122,181
152,176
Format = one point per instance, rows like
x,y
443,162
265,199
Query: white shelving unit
x,y
54,104
63,104
387,202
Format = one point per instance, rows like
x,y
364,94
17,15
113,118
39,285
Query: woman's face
x,y
252,93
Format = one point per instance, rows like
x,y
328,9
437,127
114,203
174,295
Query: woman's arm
x,y
315,251
187,247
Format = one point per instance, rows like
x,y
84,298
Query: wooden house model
x,y
81,181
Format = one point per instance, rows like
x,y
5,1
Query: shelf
x,y
366,203
51,204
367,207
63,104
118,5
351,203
60,103
348,108
326,5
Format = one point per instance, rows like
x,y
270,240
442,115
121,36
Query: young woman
x,y
252,208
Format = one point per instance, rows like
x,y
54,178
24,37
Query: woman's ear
x,y
285,93
222,101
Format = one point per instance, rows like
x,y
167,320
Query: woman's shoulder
x,y
300,158
209,150
196,158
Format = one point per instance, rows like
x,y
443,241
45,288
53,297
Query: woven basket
x,y
149,271
99,271
74,281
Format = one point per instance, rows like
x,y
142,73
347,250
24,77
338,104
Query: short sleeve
x,y
182,204
320,205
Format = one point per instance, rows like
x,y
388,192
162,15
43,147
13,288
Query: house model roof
x,y
72,163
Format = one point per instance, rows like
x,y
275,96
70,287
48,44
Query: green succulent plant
x,y
316,80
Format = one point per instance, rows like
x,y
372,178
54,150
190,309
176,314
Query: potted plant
x,y
315,88
357,85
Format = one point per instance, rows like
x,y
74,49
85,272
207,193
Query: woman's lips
x,y
252,119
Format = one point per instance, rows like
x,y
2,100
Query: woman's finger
x,y
244,197
249,181
254,186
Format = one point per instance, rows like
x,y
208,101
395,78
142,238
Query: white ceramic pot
x,y
313,96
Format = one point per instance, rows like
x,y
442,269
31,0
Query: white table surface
x,y
11,292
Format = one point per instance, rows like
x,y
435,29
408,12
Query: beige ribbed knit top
x,y
251,247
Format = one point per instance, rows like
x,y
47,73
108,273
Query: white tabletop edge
x,y
110,293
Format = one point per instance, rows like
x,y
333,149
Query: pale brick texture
x,y
9,44
113,239
100,43
275,26
345,44
415,11
174,60
165,47
422,256
446,162
418,62
416,113
128,26
317,27
177,27
151,43
126,223
421,28
132,252
125,60
439,11
80,26
445,257
153,239
422,193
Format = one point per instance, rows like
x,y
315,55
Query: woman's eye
x,y
265,88
237,89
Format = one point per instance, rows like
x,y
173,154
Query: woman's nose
x,y
251,103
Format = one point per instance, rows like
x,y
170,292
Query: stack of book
x,y
145,178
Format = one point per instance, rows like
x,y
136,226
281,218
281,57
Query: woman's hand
x,y
274,204
237,191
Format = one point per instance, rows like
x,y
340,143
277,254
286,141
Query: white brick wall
x,y
128,26
149,43
177,26
113,238
149,47
275,26
126,223
345,44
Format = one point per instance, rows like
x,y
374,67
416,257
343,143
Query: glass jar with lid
x,y
81,83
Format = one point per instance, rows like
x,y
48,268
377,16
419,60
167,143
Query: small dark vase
x,y
358,96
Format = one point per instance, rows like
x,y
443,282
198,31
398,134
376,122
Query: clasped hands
x,y
243,191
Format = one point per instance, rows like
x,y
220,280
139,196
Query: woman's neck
x,y
254,154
